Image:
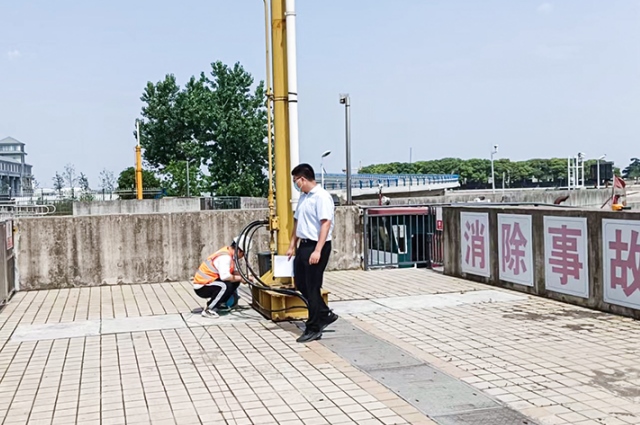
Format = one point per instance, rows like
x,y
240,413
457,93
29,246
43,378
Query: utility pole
x,y
345,100
493,178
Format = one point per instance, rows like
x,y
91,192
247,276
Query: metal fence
x,y
403,236
221,203
7,262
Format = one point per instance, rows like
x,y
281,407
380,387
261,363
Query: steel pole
x,y
493,178
347,117
187,178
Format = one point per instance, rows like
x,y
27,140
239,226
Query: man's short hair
x,y
304,170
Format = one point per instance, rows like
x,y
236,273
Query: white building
x,y
16,176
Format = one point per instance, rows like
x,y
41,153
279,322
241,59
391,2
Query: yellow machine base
x,y
279,307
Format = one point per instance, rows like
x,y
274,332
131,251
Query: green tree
x,y
127,179
58,183
175,179
632,171
217,121
85,194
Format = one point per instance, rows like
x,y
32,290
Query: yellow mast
x,y
284,213
138,165
274,305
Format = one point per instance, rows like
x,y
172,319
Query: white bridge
x,y
371,184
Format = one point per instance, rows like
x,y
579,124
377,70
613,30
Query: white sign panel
x,y
566,261
474,229
621,262
515,248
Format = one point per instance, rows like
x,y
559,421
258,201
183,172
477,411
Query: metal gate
x,y
7,261
403,237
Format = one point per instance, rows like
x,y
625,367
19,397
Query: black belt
x,y
307,241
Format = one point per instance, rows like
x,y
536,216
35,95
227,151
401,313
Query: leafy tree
x,y
632,171
85,194
476,173
163,127
216,121
83,182
58,183
175,179
127,179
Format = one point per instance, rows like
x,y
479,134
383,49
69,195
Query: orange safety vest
x,y
207,272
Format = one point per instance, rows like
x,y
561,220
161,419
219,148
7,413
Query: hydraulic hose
x,y
247,234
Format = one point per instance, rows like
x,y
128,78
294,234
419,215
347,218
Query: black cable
x,y
248,237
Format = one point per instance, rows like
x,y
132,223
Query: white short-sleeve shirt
x,y
313,207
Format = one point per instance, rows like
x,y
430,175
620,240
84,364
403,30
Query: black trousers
x,y
308,280
213,292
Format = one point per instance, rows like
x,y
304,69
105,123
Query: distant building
x,y
16,176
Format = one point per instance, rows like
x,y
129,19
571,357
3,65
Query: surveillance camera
x,y
343,98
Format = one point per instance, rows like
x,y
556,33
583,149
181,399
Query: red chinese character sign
x,y
565,255
474,229
621,262
515,250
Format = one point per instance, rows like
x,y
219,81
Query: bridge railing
x,y
370,181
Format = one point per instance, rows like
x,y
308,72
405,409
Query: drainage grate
x,y
500,416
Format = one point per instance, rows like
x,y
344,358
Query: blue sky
x,y
443,77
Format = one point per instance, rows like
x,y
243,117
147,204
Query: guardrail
x,y
403,236
26,210
369,181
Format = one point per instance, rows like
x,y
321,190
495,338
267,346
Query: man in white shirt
x,y
313,225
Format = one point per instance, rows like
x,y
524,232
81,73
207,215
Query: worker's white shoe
x,y
210,313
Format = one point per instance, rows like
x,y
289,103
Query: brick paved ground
x,y
232,373
556,363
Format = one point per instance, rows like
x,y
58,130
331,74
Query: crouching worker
x,y
217,280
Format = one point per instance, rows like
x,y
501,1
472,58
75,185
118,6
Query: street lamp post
x,y
188,191
345,100
580,167
493,178
324,155
598,169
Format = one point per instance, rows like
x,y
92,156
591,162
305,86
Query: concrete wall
x,y
57,252
588,198
598,282
247,203
135,206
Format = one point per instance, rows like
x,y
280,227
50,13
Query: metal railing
x,y
369,181
26,210
221,203
403,236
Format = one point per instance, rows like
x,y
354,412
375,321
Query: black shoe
x,y
308,337
332,317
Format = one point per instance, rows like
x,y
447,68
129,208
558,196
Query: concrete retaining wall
x,y
588,198
247,203
135,206
57,252
568,255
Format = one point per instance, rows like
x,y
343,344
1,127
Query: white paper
x,y
282,266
